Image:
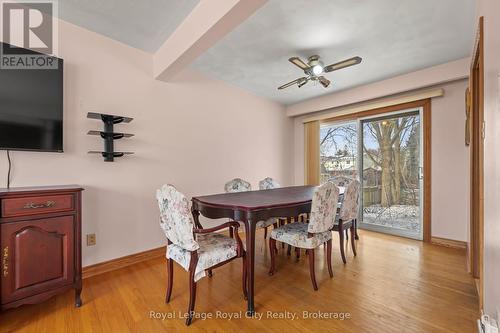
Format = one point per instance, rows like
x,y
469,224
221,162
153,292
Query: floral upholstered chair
x,y
268,184
196,250
313,234
347,214
237,185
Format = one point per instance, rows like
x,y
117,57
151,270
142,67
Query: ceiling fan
x,y
314,69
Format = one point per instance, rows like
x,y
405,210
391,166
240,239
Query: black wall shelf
x,y
109,117
111,155
109,135
115,135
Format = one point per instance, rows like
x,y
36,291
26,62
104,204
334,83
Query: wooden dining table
x,y
251,207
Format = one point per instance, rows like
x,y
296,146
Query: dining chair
x,y
310,235
240,185
268,184
195,250
237,185
347,214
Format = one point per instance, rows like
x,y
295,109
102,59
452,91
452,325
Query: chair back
x,y
268,183
350,204
323,208
341,181
237,185
175,217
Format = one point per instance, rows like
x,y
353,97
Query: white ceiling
x,y
143,24
392,36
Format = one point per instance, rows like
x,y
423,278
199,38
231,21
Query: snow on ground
x,y
398,216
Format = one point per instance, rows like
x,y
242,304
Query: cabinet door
x,y
37,256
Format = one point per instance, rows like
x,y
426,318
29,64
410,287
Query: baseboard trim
x,y
114,264
449,243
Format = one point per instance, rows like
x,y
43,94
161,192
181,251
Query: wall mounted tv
x,y
31,108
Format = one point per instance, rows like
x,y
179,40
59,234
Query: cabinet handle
x,y
32,205
5,259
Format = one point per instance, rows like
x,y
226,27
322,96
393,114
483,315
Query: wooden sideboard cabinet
x,y
40,238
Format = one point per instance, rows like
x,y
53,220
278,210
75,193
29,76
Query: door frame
x,y
476,95
425,104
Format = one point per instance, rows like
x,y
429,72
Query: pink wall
x,y
450,162
490,9
193,132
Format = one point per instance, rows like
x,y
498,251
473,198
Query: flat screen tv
x,y
31,108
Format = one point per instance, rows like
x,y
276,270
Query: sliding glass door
x,y
385,154
391,173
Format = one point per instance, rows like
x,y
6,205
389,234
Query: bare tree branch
x,y
370,155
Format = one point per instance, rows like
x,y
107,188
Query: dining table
x,y
249,208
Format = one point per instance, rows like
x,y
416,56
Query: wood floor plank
x,y
393,285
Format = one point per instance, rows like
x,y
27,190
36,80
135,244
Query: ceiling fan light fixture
x,y
317,69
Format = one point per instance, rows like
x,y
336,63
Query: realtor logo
x,y
28,31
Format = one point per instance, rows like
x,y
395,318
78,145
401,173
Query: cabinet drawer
x,y
12,207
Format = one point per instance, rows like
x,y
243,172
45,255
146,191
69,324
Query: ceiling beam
x,y
209,22
450,71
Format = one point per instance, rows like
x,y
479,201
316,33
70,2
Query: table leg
x,y
196,218
250,262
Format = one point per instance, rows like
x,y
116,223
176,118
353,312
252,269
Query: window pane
x,y
338,150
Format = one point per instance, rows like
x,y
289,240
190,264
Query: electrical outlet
x,y
90,239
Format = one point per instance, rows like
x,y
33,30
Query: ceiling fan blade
x,y
342,64
299,63
291,83
324,81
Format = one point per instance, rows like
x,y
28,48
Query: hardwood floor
x,y
393,285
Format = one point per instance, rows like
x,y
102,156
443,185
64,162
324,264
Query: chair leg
x,y
276,225
297,254
329,256
244,277
353,241
346,235
192,287
310,253
288,220
170,279
341,238
272,247
289,250
356,229
265,232
192,300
